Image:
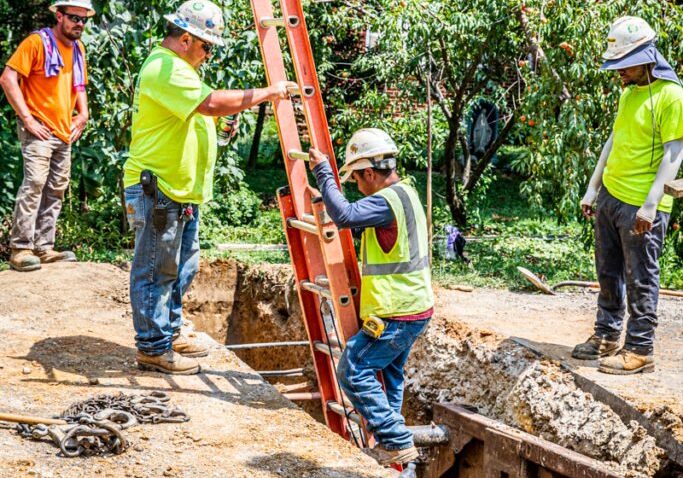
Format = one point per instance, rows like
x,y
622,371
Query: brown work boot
x,y
169,362
388,457
594,348
188,344
50,255
23,260
627,363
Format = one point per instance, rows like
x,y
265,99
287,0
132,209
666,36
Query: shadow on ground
x,y
288,464
79,360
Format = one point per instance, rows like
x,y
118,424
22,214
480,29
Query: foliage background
x,y
543,166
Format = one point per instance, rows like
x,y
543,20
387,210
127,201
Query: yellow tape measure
x,y
373,326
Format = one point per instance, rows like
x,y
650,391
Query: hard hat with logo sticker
x,y
200,18
369,148
625,35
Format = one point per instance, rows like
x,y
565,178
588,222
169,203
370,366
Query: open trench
x,y
452,362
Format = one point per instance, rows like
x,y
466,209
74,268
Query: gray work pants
x,y
47,168
627,266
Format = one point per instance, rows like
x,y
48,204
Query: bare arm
x,y
668,169
595,183
79,121
228,102
10,84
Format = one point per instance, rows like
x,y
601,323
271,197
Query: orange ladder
x,y
323,257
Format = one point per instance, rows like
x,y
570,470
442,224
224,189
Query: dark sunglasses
x,y
76,18
207,47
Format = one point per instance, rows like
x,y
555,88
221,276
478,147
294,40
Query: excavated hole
x,y
452,362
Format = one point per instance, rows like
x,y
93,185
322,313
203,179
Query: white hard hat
x,y
200,18
625,35
369,148
73,3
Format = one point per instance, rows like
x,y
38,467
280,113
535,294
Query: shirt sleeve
x,y
671,123
175,86
371,211
26,56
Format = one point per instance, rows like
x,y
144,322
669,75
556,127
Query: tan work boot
x,y
594,348
188,344
627,363
169,362
50,255
389,457
23,260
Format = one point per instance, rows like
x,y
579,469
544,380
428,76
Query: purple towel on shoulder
x,y
54,61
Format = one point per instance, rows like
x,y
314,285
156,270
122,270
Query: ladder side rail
x,y
306,73
324,368
274,67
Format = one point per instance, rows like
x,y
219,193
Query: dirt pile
x,y
506,382
457,362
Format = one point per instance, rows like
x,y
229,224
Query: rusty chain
x,y
94,426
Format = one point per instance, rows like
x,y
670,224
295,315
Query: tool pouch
x,y
149,186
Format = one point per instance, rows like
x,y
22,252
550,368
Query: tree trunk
x,y
253,154
455,202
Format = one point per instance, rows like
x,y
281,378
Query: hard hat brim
x,y
348,169
91,12
640,56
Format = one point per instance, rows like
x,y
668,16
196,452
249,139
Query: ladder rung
x,y
308,91
315,288
322,281
309,218
311,228
326,349
338,409
300,396
267,22
295,154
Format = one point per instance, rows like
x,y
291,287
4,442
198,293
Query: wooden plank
x,y
674,188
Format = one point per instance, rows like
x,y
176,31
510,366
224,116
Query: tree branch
x,y
539,55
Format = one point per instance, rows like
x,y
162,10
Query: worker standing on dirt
x,y
169,174
643,152
396,292
44,81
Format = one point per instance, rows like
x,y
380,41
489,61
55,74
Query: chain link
x,y
94,426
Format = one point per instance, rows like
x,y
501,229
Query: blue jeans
x,y
627,267
164,264
357,371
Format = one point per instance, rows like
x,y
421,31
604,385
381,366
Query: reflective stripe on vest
x,y
416,263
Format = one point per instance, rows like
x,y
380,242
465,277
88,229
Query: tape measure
x,y
373,326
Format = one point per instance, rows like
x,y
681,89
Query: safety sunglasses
x,y
76,18
207,47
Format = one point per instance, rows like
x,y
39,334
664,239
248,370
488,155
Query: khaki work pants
x,y
47,168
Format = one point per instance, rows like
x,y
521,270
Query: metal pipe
x,y
293,372
301,396
293,387
429,435
261,345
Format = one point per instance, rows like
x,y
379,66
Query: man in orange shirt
x,y
44,81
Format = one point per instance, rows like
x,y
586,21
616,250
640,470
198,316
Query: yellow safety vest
x,y
397,282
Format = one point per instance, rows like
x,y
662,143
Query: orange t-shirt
x,y
50,100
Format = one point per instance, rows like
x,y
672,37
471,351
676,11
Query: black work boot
x,y
594,348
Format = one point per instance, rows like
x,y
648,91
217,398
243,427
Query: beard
x,y
74,34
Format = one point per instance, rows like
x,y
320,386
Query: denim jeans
x,y
164,264
357,371
627,266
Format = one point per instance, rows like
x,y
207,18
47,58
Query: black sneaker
x,y
594,348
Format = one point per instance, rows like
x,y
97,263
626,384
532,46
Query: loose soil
x,y
66,335
467,356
